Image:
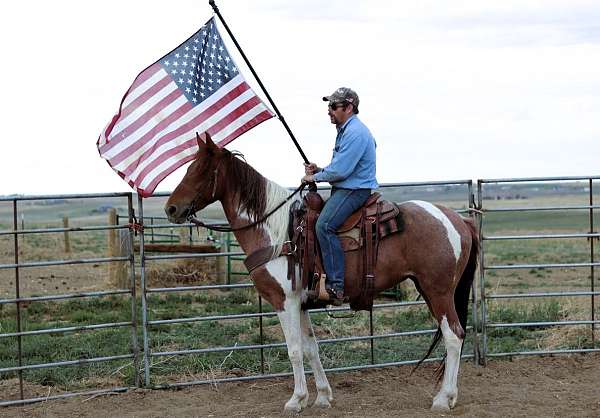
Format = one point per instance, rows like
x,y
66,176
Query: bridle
x,y
191,218
191,212
192,209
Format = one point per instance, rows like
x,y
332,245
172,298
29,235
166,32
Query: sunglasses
x,y
335,106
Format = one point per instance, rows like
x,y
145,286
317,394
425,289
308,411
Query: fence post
x,y
483,304
474,300
591,240
67,240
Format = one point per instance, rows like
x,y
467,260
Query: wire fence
x,y
147,325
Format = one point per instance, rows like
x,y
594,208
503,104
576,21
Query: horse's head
x,y
199,186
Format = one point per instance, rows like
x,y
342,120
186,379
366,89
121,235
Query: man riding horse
x,y
352,176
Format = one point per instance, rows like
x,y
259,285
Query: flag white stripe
x,y
148,178
143,183
184,119
102,139
142,88
143,108
175,142
244,118
145,128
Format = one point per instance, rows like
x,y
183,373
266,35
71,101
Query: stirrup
x,y
329,295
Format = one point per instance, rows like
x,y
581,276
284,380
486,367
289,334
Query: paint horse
x,y
437,249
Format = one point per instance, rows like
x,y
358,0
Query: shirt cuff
x,y
318,177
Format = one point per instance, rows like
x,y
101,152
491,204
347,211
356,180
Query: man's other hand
x,y
309,178
311,168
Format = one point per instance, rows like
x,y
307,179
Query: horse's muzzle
x,y
177,215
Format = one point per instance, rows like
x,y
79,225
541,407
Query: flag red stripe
x,y
236,113
261,117
194,122
137,102
258,119
161,176
189,143
140,79
148,136
143,118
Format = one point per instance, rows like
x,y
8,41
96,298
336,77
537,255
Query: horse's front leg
x,y
290,323
311,351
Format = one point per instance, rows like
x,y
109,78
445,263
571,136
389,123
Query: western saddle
x,y
362,232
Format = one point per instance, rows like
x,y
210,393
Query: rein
x,y
198,223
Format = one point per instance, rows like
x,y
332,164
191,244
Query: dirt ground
x,y
561,386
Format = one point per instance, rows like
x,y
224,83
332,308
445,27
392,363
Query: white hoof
x,y
323,401
292,408
443,402
440,407
296,404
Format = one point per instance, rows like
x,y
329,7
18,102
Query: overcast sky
x,y
450,89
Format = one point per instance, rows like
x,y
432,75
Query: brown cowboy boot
x,y
336,297
329,295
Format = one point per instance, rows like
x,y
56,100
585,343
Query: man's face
x,y
338,112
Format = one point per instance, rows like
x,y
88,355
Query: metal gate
x,y
546,222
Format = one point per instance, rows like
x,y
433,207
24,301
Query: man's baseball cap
x,y
343,94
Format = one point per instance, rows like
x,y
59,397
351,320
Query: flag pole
x,y
279,115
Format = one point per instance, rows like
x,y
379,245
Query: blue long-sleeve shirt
x,y
353,163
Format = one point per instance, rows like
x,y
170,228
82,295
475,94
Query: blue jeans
x,y
341,204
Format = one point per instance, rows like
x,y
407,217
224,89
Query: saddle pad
x,y
350,239
388,210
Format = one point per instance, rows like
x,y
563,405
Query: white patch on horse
x,y
292,329
277,223
278,269
298,341
448,394
451,232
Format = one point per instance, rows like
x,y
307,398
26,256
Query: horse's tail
x,y
463,289
461,293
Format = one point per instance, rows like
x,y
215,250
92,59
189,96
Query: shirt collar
x,y
341,128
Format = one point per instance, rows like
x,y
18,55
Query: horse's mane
x,y
246,184
257,195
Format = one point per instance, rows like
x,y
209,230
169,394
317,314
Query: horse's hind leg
x,y
311,351
290,323
453,335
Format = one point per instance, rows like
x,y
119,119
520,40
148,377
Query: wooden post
x,y
221,262
112,235
121,277
183,235
67,241
112,245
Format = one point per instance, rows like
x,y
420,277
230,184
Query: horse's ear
x,y
209,141
201,141
205,142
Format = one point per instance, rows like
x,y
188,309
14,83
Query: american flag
x,y
194,88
